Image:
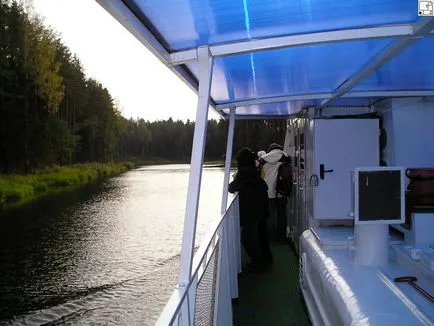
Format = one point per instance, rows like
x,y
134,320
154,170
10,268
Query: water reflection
x,y
106,254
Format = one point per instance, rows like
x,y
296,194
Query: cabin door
x,y
340,145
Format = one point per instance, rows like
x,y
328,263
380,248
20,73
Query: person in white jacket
x,y
270,163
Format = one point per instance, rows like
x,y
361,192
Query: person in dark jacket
x,y
253,201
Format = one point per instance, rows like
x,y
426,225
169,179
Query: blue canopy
x,y
275,57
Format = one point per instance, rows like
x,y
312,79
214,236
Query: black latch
x,y
322,171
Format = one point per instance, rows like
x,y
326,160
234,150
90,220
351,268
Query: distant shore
x,y
159,161
18,189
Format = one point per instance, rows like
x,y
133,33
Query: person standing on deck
x,y
271,161
264,238
253,206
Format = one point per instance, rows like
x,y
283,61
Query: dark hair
x,y
245,157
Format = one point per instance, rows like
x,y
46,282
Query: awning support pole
x,y
228,159
232,267
197,154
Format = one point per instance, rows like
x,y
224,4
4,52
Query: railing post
x,y
237,235
223,303
198,149
190,305
232,247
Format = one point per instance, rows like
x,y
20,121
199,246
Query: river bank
x,y
17,189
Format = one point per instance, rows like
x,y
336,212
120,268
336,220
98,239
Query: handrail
x,y
173,306
208,238
177,299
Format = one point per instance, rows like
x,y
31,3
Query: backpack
x,y
284,179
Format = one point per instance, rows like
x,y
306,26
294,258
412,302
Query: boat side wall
x,y
338,305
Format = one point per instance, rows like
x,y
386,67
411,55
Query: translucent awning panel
x,y
287,69
413,69
184,24
292,71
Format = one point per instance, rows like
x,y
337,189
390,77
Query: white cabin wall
x,y
409,124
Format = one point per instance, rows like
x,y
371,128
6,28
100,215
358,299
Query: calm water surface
x,y
104,255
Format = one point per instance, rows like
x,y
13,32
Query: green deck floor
x,y
272,297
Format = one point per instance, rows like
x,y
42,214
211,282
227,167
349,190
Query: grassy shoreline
x,y
23,188
18,189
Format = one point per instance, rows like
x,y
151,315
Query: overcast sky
x,y
109,53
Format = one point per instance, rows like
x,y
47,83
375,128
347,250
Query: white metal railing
x,y
206,299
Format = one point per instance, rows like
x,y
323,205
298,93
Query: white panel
x,y
341,145
413,133
423,224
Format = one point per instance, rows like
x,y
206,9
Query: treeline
x,y
51,113
173,140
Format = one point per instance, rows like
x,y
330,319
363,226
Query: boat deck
x,y
272,297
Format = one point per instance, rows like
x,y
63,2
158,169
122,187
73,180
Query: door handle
x,y
322,171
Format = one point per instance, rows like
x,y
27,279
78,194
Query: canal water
x,y
106,254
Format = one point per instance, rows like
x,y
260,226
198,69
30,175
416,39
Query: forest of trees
x,y
52,113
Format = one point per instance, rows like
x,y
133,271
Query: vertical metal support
x,y
198,149
230,233
229,146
